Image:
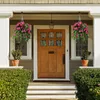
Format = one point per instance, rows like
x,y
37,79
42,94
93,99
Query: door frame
x,y
35,49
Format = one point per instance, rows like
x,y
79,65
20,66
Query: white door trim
x,y
35,59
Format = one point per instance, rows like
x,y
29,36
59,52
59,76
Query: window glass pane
x,y
51,43
51,35
79,46
43,35
43,43
22,46
59,42
59,35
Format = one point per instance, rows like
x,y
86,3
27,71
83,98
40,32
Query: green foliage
x,y
96,93
13,84
16,54
87,81
85,54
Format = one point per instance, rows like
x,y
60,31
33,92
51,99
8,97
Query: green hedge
x,y
13,84
87,81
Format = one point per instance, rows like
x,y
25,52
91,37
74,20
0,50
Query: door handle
x,y
63,58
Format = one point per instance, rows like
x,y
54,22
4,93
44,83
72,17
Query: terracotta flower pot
x,y
15,62
85,62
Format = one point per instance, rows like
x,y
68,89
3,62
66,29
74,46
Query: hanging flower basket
x,y
80,31
22,32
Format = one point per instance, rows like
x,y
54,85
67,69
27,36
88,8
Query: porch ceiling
x,y
55,16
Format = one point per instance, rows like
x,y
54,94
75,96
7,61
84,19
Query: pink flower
x,y
80,30
85,29
17,24
28,30
76,24
24,31
22,22
17,28
87,32
75,28
80,22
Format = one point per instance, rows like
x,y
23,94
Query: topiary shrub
x,y
87,81
13,84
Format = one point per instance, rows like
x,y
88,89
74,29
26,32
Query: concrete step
x,y
51,92
71,87
70,92
31,97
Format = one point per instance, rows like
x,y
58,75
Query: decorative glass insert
x,y
79,46
59,35
59,42
43,35
43,43
51,35
51,43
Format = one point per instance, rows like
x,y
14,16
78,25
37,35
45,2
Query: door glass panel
x,y
43,43
51,35
59,35
51,43
59,42
43,35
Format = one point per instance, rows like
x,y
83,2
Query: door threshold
x,y
52,80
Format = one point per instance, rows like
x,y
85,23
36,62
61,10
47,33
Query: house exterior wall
x,y
49,1
74,64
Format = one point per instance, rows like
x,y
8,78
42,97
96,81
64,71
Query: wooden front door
x,y
51,53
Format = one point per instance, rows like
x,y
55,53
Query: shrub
x,y
96,93
87,81
13,84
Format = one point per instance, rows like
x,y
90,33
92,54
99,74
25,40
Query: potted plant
x,y
80,31
22,32
16,55
84,57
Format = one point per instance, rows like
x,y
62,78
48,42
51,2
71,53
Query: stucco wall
x,y
50,1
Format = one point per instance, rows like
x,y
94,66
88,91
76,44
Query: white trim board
x,y
35,69
48,8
